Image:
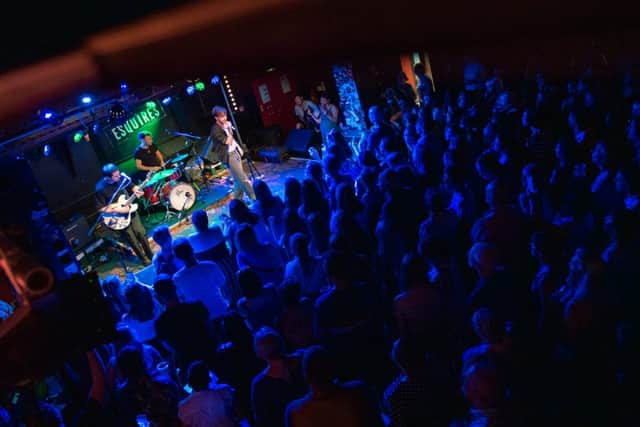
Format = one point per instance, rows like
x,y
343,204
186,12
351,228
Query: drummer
x,y
147,155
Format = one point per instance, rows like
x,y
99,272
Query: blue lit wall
x,y
349,99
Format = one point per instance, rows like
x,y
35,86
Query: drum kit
x,y
175,188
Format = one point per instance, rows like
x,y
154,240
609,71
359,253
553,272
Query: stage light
x,y
215,80
150,104
46,150
166,101
77,137
191,89
124,87
86,100
117,112
48,115
200,86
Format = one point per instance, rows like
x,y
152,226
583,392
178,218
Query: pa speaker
x,y
300,140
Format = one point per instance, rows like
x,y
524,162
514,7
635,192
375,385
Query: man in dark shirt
x,y
134,233
178,317
147,155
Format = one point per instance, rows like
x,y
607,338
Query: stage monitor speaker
x,y
299,141
272,154
76,231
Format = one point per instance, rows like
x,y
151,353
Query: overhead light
x,y
200,86
271,69
77,137
124,87
191,89
117,112
215,80
46,150
86,100
166,100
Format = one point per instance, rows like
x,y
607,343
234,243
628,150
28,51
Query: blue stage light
x,y
48,115
191,89
166,101
46,150
124,87
215,80
86,100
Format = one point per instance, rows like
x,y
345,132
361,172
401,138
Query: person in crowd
x,y
417,396
165,261
269,207
239,214
279,383
259,306
293,223
305,269
328,119
292,193
155,397
143,311
295,322
208,404
209,244
328,402
201,281
314,201
178,317
263,258
306,113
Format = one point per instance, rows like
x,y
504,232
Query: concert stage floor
x,y
213,199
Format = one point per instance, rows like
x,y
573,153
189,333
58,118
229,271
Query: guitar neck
x,y
133,196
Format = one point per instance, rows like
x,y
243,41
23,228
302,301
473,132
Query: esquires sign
x,y
123,136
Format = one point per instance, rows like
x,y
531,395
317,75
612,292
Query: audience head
x,y
162,237
269,345
292,192
249,282
198,376
314,171
484,258
246,239
200,220
262,191
183,250
496,194
319,368
376,115
239,212
346,199
545,247
140,302
483,322
488,165
299,244
165,289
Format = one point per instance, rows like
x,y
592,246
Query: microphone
x,y
125,176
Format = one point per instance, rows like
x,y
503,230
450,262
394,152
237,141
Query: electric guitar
x,y
119,221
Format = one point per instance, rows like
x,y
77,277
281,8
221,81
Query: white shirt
x,y
202,282
207,408
234,144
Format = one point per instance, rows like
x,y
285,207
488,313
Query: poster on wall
x,y
264,94
284,84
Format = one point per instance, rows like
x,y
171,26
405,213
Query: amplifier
x,y
75,230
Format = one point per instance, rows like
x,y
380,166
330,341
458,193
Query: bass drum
x,y
181,196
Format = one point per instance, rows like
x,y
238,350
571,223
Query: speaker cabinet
x,y
300,140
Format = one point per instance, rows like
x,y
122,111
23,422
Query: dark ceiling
x,y
162,41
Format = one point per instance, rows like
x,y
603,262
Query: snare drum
x,y
151,194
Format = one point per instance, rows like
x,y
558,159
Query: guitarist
x,y
135,233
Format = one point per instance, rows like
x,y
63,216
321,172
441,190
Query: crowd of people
x,y
473,262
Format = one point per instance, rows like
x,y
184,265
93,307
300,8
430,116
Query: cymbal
x,y
160,175
179,158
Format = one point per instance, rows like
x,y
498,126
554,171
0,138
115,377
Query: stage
x,y
214,198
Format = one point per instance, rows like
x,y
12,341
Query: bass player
x,y
134,234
